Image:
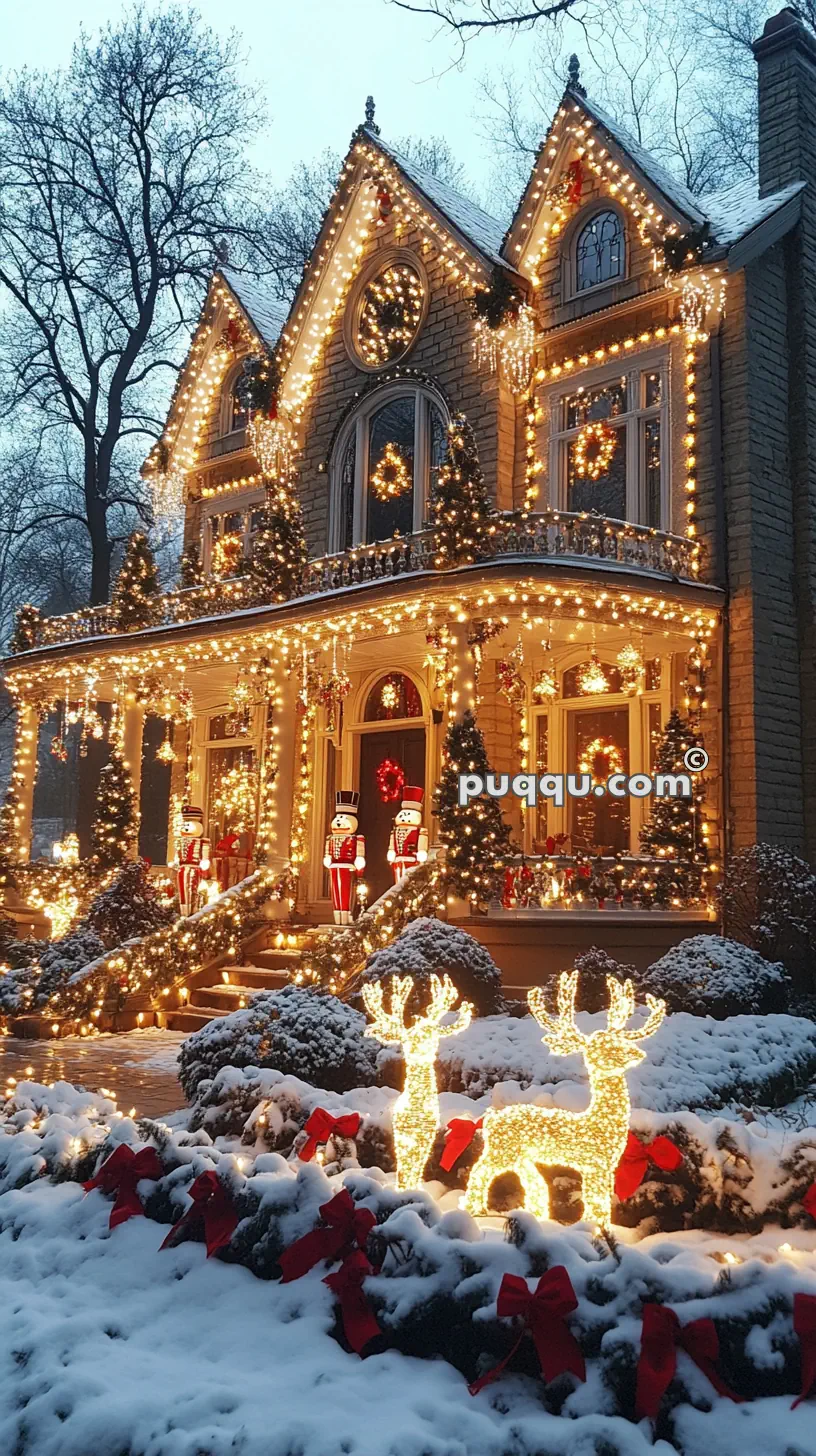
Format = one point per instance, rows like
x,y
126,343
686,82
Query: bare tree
x,y
117,179
466,19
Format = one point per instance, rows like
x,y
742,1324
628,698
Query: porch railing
x,y
556,535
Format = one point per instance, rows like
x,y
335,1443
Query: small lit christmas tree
x,y
675,832
137,586
129,907
474,834
279,549
115,824
460,504
27,629
190,572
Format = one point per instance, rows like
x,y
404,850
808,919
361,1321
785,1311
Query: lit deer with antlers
x,y
416,1110
517,1139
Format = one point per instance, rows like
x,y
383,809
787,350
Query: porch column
x,y
132,730
23,776
463,682
280,745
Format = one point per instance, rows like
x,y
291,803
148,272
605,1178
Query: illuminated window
x,y
393,696
599,251
384,465
607,441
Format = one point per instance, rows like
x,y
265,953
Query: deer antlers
x,y
390,1025
561,1032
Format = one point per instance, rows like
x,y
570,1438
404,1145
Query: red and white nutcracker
x,y
344,855
408,846
193,857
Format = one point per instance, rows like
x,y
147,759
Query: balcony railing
x,y
555,535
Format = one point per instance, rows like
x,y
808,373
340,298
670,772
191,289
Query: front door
x,y
402,746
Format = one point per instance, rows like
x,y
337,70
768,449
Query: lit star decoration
x,y
522,1138
416,1110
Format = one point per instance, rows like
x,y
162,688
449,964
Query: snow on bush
x,y
128,908
297,1030
709,975
52,965
768,898
593,967
432,947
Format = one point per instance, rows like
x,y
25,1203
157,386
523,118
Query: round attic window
x,y
390,309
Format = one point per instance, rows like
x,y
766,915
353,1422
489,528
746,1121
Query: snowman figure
x,y
344,855
193,857
409,837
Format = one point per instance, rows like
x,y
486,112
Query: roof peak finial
x,y
574,75
369,115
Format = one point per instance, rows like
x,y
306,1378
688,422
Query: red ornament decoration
x,y
575,176
390,777
211,1203
661,1337
809,1201
359,1324
637,1156
346,1227
322,1125
385,206
804,1325
542,1312
119,1174
459,1135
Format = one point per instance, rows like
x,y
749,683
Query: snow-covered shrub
x,y
593,967
52,964
127,908
296,1030
708,975
768,899
432,947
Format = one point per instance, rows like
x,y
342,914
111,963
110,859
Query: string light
x,y
522,1138
594,447
416,1110
391,476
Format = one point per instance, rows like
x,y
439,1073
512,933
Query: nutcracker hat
x,y
412,797
192,811
346,801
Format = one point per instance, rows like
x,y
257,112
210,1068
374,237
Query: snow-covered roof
x,y
676,192
267,313
474,224
737,210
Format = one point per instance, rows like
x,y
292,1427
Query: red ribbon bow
x,y
804,1324
459,1135
212,1203
347,1227
634,1164
661,1337
119,1174
320,1127
543,1313
359,1323
809,1201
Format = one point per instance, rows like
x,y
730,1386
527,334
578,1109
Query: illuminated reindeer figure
x,y
518,1138
416,1110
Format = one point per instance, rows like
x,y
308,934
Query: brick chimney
x,y
786,61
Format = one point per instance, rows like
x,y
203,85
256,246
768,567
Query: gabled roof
x,y
737,210
266,312
675,192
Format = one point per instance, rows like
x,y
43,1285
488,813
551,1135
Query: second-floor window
x,y
384,466
609,446
599,251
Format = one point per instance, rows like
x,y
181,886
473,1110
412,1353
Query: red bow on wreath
x,y
119,1174
661,1337
322,1125
459,1135
634,1164
212,1203
359,1324
804,1324
346,1227
543,1314
809,1201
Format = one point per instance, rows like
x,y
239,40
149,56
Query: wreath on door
x,y
390,780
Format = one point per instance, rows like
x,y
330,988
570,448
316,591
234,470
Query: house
x,y
641,382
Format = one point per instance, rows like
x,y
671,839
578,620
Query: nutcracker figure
x,y
409,838
193,857
344,854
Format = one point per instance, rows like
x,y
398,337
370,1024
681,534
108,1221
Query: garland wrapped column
x,y
132,732
278,771
15,820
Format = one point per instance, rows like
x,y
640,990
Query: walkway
x,y
138,1067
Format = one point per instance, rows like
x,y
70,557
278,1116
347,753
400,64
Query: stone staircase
x,y
269,961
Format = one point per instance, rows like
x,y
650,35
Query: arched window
x,y
393,696
384,465
599,251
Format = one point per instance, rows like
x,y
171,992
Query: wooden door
x,y
405,746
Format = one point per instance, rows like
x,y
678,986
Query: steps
x,y
267,967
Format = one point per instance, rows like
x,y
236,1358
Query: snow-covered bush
x,y
768,898
709,975
296,1030
51,965
432,947
127,908
593,967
